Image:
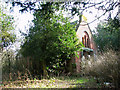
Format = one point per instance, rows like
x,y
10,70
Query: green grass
x,y
53,82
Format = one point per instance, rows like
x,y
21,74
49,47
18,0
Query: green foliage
x,y
52,39
108,35
6,27
7,62
14,67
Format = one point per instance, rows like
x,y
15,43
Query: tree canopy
x,y
52,38
75,7
108,35
7,36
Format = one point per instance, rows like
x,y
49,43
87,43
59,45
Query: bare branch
x,y
98,18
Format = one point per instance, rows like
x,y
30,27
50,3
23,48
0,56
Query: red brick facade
x,y
85,36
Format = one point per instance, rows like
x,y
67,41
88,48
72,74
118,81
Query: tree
x,y
107,6
107,36
52,38
7,36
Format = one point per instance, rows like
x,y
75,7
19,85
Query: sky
x,y
23,20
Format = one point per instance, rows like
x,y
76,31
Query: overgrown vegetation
x,y
48,49
7,37
13,68
105,68
108,35
50,42
50,46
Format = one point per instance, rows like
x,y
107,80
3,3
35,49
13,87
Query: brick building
x,y
84,35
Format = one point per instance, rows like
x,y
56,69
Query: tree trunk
x,y
78,62
45,73
69,66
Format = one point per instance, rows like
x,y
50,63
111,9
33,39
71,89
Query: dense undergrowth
x,y
100,72
105,68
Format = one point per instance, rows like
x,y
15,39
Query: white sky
x,y
23,20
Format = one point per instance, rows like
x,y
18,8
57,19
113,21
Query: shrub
x,y
14,68
105,68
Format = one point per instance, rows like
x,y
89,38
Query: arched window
x,y
86,39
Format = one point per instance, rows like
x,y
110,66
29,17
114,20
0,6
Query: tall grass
x,y
14,68
106,67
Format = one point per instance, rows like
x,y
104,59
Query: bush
x,y
14,68
105,68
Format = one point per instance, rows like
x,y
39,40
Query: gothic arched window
x,y
86,39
